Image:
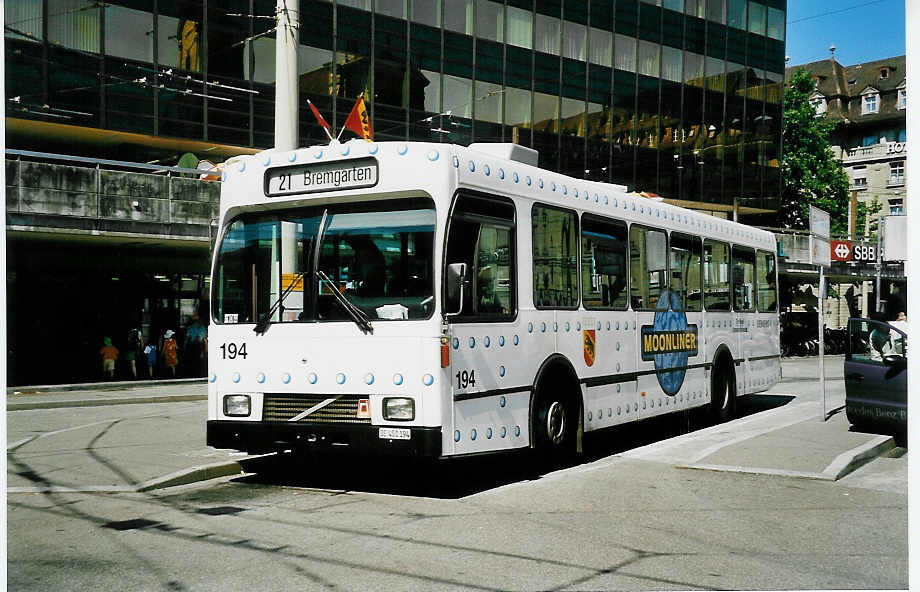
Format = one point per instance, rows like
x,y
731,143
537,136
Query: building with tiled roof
x,y
869,102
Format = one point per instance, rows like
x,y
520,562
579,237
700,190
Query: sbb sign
x,y
847,251
840,250
864,253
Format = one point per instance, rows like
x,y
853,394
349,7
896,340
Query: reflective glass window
x,y
458,96
757,18
603,263
488,102
458,16
555,257
545,111
547,31
426,12
715,11
134,47
520,27
671,63
695,8
574,40
693,68
737,14
649,58
490,20
23,19
74,24
776,24
432,91
601,46
625,56
517,107
393,8
573,117
676,5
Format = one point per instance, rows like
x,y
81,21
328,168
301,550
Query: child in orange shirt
x,y
109,354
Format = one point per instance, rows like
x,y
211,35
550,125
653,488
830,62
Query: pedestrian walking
x,y
196,335
170,352
109,354
133,350
151,356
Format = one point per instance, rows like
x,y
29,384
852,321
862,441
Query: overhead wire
x,y
830,12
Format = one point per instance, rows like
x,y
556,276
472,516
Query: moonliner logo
x,y
670,341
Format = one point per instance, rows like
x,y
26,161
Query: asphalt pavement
x,y
784,433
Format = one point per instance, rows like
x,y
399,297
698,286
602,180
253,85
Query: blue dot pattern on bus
x,y
670,320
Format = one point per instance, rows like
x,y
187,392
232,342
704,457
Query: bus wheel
x,y
722,403
555,425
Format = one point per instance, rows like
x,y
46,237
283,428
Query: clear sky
x,y
862,30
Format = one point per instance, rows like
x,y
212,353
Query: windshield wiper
x,y
356,314
265,319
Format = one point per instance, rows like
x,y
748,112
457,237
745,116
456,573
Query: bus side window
x,y
715,275
482,236
603,263
648,267
555,257
686,253
743,279
766,282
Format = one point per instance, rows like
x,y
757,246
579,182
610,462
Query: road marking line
x,y
13,446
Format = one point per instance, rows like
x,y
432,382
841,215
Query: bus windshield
x,y
379,255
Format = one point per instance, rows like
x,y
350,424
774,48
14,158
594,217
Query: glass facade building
x,y
679,98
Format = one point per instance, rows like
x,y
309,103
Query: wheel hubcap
x,y
555,422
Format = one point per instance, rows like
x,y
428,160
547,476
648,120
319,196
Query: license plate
x,y
394,433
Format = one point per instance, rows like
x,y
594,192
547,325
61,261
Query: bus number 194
x,y
466,378
232,350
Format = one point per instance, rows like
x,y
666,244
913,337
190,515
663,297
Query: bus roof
x,y
490,168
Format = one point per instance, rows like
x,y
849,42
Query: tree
x,y
811,174
867,214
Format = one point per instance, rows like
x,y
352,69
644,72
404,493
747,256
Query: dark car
x,y
875,372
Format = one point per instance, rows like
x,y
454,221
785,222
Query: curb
x,y
841,466
192,475
851,460
181,477
102,402
92,386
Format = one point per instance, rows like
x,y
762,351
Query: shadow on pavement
x,y
460,477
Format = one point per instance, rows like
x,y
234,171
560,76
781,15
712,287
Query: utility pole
x,y
287,37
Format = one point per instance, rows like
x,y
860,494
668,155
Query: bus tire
x,y
723,389
555,417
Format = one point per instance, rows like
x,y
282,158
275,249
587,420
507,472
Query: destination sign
x,y
327,176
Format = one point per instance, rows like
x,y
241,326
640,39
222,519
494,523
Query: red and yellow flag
x,y
358,120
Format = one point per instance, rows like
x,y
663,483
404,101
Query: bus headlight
x,y
399,409
237,405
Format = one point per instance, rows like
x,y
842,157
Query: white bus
x,y
437,300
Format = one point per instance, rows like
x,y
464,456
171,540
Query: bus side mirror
x,y
457,288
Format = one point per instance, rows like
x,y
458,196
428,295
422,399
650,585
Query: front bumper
x,y
261,437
